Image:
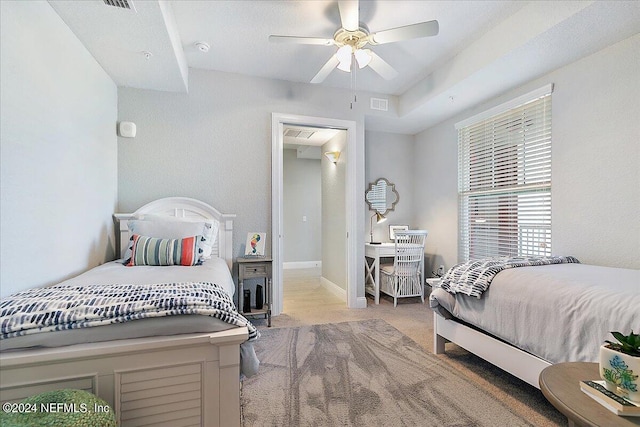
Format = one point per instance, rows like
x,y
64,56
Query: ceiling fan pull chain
x,y
353,85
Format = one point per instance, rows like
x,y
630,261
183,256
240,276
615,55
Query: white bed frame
x,y
507,357
182,380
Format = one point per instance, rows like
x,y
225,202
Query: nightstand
x,y
252,268
433,281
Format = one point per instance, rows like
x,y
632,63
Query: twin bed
x,y
534,316
177,370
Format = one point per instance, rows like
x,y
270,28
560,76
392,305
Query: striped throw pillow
x,y
156,251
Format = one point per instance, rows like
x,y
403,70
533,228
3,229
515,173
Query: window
x,y
504,179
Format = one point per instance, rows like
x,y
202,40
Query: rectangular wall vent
x,y
380,104
122,4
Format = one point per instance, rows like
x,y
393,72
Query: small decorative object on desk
x,y
612,401
620,365
255,244
394,228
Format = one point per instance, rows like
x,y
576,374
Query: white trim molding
x,y
352,202
333,288
523,99
294,265
361,302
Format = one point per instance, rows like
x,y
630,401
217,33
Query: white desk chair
x,y
403,278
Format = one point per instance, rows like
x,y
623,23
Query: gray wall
x,y
596,163
214,144
436,198
58,151
390,156
302,197
334,222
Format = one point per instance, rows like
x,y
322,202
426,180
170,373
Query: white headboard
x,y
181,207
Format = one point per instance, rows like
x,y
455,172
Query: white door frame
x,y
278,121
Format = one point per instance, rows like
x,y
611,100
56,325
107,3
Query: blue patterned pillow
x,y
156,251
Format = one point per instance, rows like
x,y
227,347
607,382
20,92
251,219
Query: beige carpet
x,y
364,373
307,303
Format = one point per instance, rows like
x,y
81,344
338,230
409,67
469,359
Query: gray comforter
x,y
558,312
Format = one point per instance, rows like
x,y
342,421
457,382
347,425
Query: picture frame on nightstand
x,y
256,242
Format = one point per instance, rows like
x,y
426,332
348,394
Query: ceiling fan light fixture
x,y
362,57
345,66
344,57
344,54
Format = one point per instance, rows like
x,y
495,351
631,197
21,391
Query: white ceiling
x,y
484,48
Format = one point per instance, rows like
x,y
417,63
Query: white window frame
x,y
504,179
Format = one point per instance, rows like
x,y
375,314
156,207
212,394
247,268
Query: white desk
x,y
373,253
372,276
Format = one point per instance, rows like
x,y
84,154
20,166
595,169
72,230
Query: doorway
x,y
314,217
279,122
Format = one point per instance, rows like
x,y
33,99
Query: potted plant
x,y
620,364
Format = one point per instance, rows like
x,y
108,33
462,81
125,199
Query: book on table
x,y
615,403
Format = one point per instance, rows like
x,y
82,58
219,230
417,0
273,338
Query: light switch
x,y
304,218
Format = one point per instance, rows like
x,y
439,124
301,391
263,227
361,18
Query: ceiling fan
x,y
352,38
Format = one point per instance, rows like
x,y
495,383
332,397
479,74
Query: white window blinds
x,y
504,182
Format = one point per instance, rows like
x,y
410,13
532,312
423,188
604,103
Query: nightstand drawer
x,y
249,271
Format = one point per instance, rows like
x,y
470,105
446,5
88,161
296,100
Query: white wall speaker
x,y
127,129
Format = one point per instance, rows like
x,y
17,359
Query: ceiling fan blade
x,y
326,69
301,40
349,14
414,31
381,66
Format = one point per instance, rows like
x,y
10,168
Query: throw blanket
x,y
63,307
474,277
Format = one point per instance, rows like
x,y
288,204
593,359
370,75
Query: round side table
x,y
560,385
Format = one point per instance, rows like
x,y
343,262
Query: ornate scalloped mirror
x,y
381,196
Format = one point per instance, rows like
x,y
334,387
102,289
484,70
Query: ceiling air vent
x,y
291,132
122,4
306,134
380,104
298,133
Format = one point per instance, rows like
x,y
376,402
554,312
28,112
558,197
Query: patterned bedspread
x,y
64,307
474,277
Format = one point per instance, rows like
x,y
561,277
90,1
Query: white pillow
x,y
168,227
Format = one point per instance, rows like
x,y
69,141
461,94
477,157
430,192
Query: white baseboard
x,y
301,264
333,288
361,302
